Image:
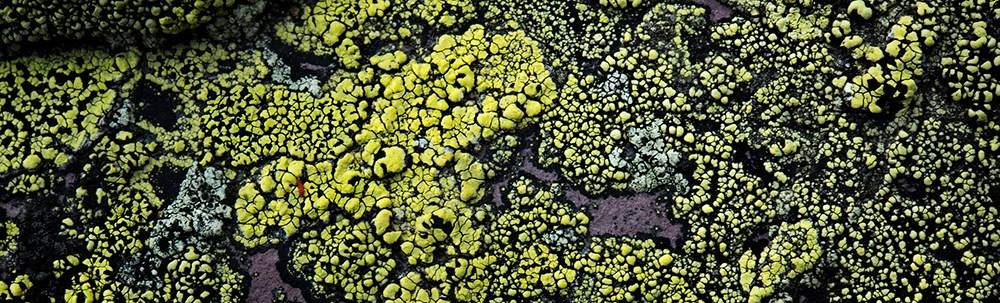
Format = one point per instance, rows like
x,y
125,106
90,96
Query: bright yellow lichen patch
x,y
125,203
16,288
26,21
341,27
893,82
344,258
275,200
793,250
420,122
9,238
627,270
755,134
55,105
528,251
619,110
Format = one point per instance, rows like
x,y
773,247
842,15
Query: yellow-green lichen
x,y
55,105
28,21
16,288
344,260
385,151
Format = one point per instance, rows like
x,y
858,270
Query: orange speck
x,y
302,187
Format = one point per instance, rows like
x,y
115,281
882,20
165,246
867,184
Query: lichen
x,y
795,150
29,21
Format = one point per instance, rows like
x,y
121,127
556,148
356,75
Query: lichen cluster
x,y
26,21
459,151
